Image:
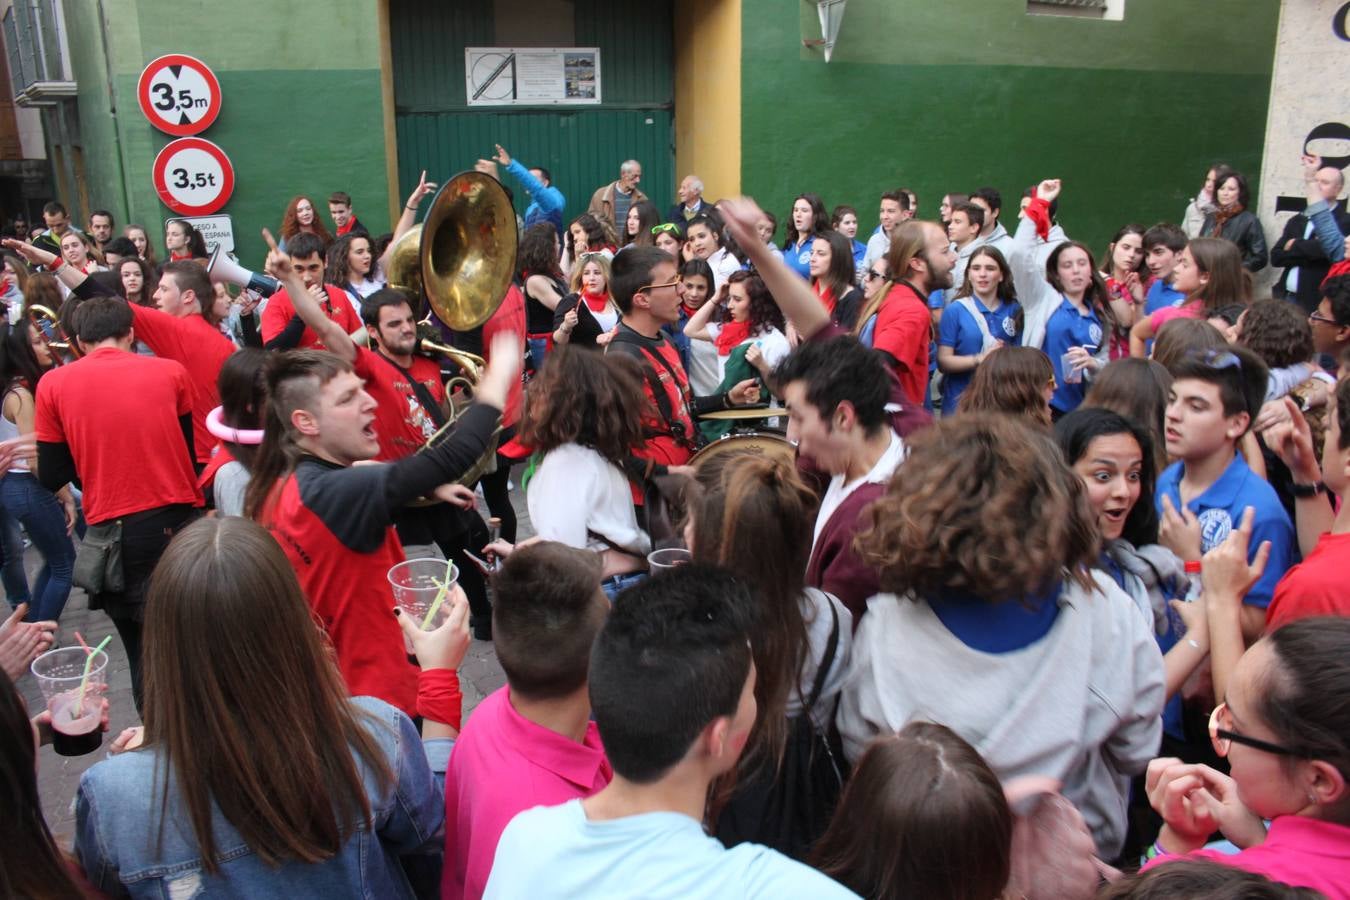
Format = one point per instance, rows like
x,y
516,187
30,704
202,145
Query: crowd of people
x,y
948,561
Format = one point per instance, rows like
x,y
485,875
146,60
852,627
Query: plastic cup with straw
x,y
72,681
420,588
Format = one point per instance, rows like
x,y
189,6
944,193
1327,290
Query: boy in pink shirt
x,y
531,743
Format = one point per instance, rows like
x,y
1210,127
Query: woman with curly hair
x,y
583,418
351,266
748,335
301,217
1014,380
994,625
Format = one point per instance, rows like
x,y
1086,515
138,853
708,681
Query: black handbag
x,y
789,808
98,560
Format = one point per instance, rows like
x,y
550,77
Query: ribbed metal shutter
x,y
582,147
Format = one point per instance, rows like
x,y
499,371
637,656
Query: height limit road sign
x,y
179,94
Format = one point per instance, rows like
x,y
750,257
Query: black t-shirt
x,y
538,317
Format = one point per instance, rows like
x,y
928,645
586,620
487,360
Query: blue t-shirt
x,y
1160,296
1070,328
961,332
556,851
859,251
798,258
1220,510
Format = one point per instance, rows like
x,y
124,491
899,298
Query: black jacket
x,y
1306,255
1244,229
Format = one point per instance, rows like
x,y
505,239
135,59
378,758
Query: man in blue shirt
x,y
546,201
672,691
1214,398
1162,245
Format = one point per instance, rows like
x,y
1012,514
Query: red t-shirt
x,y
401,423
347,587
202,350
118,412
510,316
1314,587
280,310
904,329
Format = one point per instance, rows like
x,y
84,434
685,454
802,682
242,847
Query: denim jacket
x,y
117,821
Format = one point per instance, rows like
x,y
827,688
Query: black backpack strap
x,y
828,660
654,381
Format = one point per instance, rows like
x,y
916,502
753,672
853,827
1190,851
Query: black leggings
x,y
496,490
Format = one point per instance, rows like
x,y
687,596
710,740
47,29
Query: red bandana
x,y
826,295
595,302
732,335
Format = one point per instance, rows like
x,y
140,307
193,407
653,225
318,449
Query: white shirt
x,y
815,605
773,344
838,491
723,264
576,494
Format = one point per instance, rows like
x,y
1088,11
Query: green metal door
x,y
581,146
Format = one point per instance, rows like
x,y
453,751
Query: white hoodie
x,y
1083,704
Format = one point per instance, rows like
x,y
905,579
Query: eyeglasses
x,y
654,287
667,228
1220,359
1318,317
1223,739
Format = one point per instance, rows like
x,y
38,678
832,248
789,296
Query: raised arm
x,y
409,217
697,326
307,308
70,276
789,290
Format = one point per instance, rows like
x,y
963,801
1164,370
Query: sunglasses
x,y
654,287
1223,738
666,228
1220,359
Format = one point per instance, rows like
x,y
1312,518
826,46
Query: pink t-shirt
x,y
504,764
1299,851
1161,317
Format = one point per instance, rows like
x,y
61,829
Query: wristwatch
x,y
1304,491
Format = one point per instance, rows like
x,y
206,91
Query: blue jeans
x,y
538,347
614,584
11,559
26,501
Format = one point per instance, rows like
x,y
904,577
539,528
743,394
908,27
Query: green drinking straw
x,y
440,595
84,682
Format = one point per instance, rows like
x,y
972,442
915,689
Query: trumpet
x,y
48,324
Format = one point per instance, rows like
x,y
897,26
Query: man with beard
x,y
921,260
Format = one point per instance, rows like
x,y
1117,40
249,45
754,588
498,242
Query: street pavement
x,y
59,776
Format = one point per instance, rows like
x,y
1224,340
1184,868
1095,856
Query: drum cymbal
x,y
761,413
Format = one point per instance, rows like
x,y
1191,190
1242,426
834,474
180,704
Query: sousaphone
x,y
459,264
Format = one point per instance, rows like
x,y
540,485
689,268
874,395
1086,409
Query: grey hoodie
x,y
1082,704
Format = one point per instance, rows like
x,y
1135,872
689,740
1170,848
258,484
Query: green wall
x,y
301,110
1128,113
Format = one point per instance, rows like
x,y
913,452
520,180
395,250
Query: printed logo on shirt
x,y
1010,327
1215,525
1095,334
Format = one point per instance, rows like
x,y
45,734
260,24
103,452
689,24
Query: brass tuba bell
x,y
462,257
459,262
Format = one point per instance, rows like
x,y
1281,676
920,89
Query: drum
x,y
756,442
